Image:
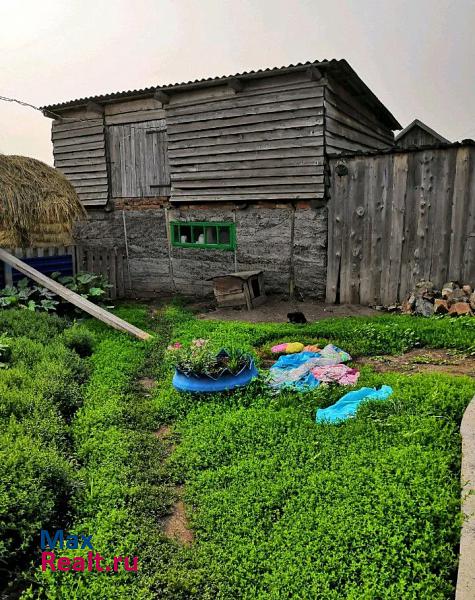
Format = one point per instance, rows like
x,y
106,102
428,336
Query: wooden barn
x,y
229,174
418,134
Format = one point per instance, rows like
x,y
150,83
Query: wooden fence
x,y
46,260
398,217
110,262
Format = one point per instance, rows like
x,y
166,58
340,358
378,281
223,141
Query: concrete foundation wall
x,y
287,243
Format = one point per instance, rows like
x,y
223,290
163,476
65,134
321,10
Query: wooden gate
x,y
399,217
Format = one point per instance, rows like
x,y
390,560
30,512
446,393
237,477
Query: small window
x,y
203,235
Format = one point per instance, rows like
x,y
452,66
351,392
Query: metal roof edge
x,y
338,66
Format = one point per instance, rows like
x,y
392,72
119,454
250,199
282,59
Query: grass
x,y
281,507
285,508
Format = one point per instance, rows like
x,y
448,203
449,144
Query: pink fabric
x,y
279,348
336,374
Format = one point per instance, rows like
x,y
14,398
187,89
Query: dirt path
x,y
175,525
275,311
423,360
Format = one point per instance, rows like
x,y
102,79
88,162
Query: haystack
x,y
38,205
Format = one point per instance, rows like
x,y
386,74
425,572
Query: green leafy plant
x,y
32,297
92,286
79,339
123,495
35,298
39,392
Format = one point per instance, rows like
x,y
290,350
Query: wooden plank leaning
x,y
85,305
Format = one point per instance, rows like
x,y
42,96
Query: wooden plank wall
x,y
262,142
133,111
139,159
397,218
79,150
264,139
109,262
350,124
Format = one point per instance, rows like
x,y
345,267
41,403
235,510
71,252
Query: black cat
x,y
297,318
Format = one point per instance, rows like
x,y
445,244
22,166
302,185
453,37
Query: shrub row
x,y
40,388
125,492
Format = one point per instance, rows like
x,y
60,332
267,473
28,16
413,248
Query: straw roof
x,y
38,205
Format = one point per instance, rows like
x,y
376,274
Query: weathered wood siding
x,y
139,159
121,153
133,111
263,142
350,124
79,150
417,137
264,139
399,217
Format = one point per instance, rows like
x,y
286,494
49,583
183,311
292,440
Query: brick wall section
x,y
264,241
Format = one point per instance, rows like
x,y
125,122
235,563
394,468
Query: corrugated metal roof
x,y
340,69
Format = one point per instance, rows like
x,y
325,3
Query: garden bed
x,y
284,508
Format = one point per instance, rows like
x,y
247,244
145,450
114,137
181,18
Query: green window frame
x,y
203,234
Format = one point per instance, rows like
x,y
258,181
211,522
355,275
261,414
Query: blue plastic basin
x,y
204,384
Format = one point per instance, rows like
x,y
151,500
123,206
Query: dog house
x,y
245,288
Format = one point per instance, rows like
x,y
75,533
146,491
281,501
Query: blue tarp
x,y
292,361
347,405
293,371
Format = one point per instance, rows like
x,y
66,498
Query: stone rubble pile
x,y
453,299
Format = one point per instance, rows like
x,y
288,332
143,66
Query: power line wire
x,y
40,110
57,116
26,104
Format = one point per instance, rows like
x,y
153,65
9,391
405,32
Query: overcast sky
x,y
417,56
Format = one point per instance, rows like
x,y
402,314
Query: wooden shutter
x,y
139,159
